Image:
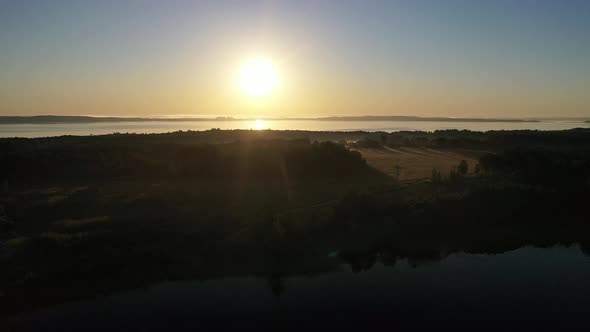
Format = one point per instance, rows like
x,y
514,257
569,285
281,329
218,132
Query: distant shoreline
x,y
57,119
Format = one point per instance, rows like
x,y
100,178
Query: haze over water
x,y
101,128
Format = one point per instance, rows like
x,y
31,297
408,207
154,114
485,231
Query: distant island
x,y
56,119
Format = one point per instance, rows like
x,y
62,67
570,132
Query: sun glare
x,y
259,125
258,78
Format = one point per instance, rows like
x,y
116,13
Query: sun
x,y
259,124
258,78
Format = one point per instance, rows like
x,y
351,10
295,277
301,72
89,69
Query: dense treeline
x,y
495,139
191,153
105,159
466,139
541,167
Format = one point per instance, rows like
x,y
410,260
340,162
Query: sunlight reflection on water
x,y
98,128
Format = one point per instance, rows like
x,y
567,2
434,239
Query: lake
x,y
98,128
529,288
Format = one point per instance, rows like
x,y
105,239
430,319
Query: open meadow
x,y
411,164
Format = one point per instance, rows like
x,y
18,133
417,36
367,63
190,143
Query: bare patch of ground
x,y
416,163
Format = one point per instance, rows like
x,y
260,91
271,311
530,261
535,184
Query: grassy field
x,y
409,164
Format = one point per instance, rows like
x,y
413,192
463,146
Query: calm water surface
x,y
528,287
43,130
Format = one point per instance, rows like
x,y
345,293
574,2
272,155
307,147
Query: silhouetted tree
x,y
277,284
6,224
463,167
397,171
454,176
436,177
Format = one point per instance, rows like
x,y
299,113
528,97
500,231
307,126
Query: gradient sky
x,y
496,58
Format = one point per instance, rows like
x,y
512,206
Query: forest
x,y
81,216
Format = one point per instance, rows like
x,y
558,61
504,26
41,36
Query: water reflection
x,y
364,261
528,287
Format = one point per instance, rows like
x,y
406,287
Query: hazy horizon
x,y
473,59
250,117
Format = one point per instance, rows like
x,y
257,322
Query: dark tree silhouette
x,y
463,167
